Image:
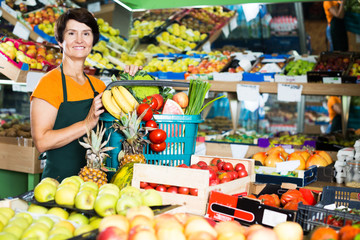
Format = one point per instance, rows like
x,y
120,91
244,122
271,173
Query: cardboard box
x,y
223,207
20,155
192,178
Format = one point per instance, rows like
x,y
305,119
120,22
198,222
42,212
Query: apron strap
x,y
95,92
63,79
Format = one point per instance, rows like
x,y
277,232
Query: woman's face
x,y
78,40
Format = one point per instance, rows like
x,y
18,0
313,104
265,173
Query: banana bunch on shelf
x,y
118,100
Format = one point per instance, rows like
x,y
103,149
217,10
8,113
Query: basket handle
x,y
161,83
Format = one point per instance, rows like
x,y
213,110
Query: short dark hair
x,y
78,14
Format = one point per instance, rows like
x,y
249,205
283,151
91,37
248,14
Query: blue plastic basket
x,y
181,138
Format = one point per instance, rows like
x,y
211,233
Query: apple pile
x,y
105,200
209,65
46,16
38,222
142,28
140,224
167,65
307,158
355,68
332,63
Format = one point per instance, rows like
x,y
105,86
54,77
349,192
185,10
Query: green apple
x,y
7,236
70,183
41,225
61,230
105,205
45,220
1,226
100,21
58,236
34,208
109,191
109,186
20,221
60,212
90,185
25,215
8,212
95,222
150,197
130,190
65,196
36,232
85,199
78,179
44,192
79,218
83,229
3,219
14,229
51,180
125,203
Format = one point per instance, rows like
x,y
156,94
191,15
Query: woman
x,y
336,31
66,102
335,114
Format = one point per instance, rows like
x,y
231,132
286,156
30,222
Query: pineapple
x,y
134,143
95,155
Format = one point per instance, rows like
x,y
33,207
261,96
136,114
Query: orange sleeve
x,y
332,100
98,84
49,88
327,5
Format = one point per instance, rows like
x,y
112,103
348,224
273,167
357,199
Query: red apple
x,y
112,233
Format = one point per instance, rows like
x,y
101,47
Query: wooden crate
x,y
192,178
20,155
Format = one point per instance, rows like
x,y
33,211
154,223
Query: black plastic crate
x,y
310,217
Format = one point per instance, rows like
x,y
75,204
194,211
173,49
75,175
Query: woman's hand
x,y
132,69
95,111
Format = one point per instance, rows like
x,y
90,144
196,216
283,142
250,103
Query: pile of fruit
x,y
211,64
306,158
167,65
287,138
45,18
15,128
259,65
106,200
355,68
332,63
142,28
298,67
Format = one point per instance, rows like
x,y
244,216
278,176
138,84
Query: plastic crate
x,y
310,217
181,138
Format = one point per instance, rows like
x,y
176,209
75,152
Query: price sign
x,y
239,151
336,80
8,9
19,88
190,32
32,79
271,218
40,40
289,92
247,92
233,23
226,31
200,149
207,47
21,31
94,7
225,76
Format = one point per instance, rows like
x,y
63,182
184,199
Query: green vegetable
x,y
197,93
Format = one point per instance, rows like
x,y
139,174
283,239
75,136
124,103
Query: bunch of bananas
x,y
118,100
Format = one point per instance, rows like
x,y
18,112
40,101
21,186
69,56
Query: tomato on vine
x,y
152,101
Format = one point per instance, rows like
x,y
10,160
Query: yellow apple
x,y
79,218
61,230
60,212
90,185
109,191
7,236
3,219
36,232
34,208
66,224
20,221
45,220
85,199
14,229
25,215
51,180
44,191
105,204
83,229
65,195
59,236
95,222
118,221
7,212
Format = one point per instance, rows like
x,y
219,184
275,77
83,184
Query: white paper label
x,y
42,164
106,80
32,79
245,64
40,40
336,80
207,47
289,92
287,166
272,218
21,31
226,76
226,31
8,9
270,68
190,32
19,88
247,92
200,149
94,7
233,23
239,151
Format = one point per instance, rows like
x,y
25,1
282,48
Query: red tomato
x,y
224,175
183,165
215,168
220,165
161,188
143,184
212,174
214,182
215,161
158,147
267,199
194,191
152,101
151,123
242,173
172,189
148,187
195,166
290,195
157,136
239,167
228,167
154,185
224,180
160,100
184,190
236,175
202,163
142,108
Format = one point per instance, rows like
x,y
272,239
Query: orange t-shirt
x,y
50,88
327,5
331,101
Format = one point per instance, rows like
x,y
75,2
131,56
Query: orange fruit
x,y
305,154
260,156
325,155
273,158
297,156
317,160
324,233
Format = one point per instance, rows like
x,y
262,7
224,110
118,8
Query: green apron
x,y
69,159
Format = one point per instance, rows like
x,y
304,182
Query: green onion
x,y
197,93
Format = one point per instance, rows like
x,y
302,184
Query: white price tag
x,y
272,218
42,164
94,7
19,88
226,31
40,40
207,47
21,31
233,23
32,79
289,92
8,9
226,76
200,149
239,151
336,80
247,92
190,33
